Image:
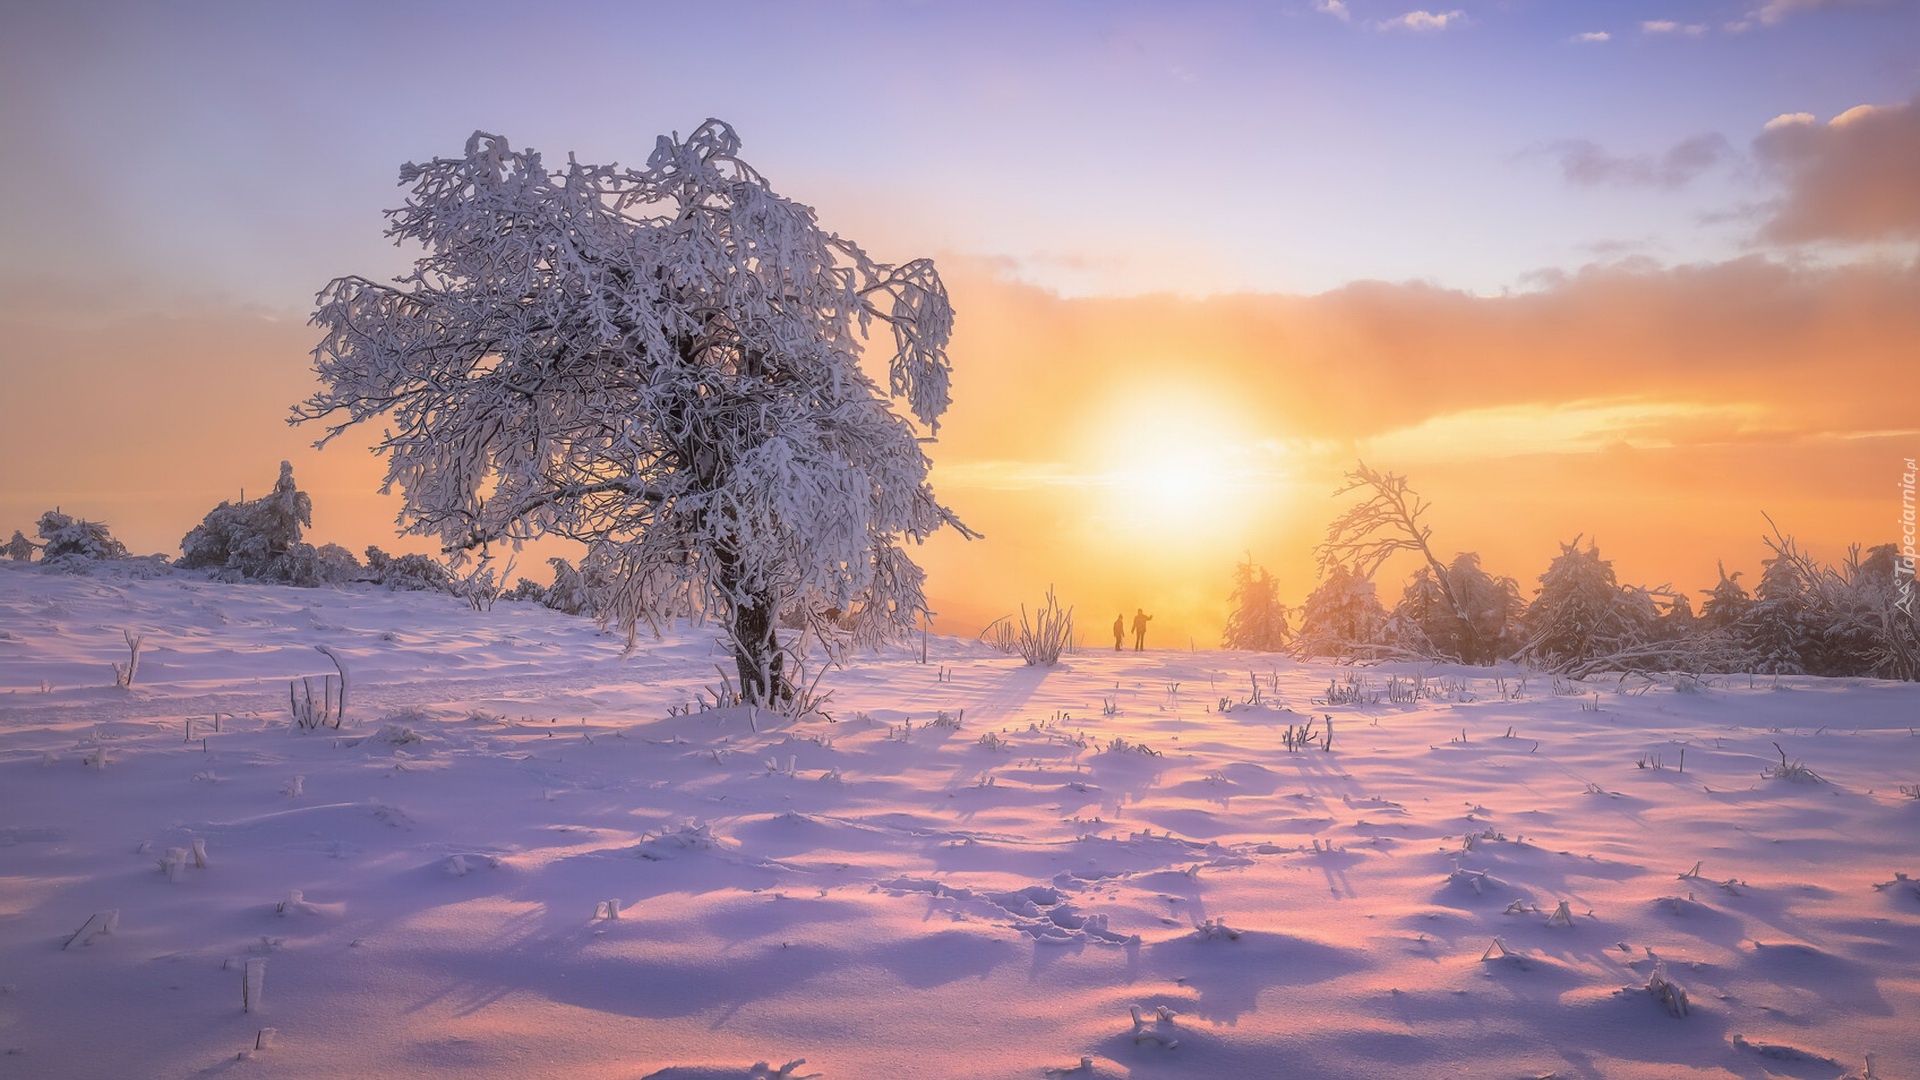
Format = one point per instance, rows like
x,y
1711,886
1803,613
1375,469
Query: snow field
x,y
524,855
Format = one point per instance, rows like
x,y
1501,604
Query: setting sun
x,y
1170,466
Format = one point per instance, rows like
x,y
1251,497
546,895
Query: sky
x,y
1632,272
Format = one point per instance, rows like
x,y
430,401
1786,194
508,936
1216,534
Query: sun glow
x,y
1176,469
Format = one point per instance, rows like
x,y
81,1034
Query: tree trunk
x,y
757,656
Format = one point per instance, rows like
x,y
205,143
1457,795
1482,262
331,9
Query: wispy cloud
x,y
1594,37
1670,27
1422,21
1588,164
1560,428
1335,8
1774,11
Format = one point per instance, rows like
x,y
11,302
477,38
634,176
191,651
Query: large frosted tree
x,y
665,364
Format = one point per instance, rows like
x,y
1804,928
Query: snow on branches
x,y
663,363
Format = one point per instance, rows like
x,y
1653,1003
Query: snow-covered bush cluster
x,y
64,537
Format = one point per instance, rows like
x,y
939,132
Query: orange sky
x,y
1204,256
1128,450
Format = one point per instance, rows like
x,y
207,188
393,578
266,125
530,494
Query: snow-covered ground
x,y
524,855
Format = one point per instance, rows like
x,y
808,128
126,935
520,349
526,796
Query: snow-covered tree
x,y
1853,620
1430,623
1774,628
19,548
1582,620
570,592
1342,619
257,539
1677,621
1258,620
70,538
663,363
1386,522
1727,602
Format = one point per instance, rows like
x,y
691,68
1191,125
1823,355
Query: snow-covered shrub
x,y
1849,618
328,564
526,590
408,573
1259,620
1049,633
68,538
664,363
1001,635
481,586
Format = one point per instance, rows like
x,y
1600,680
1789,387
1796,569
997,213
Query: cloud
x,y
1422,22
1373,357
1594,37
1663,407
1853,179
1335,8
1774,11
1668,26
1588,164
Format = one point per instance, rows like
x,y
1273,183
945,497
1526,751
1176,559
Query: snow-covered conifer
x,y
1428,620
258,539
1774,629
1342,619
1582,620
1727,602
1258,620
19,549
663,363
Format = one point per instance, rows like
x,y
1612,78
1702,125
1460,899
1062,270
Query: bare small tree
x,y
1382,525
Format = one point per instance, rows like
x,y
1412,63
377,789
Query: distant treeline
x,y
1803,617
260,541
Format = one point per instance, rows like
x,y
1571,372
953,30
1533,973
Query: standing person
x,y
1119,631
1140,620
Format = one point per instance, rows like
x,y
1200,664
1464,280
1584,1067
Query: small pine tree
x,y
1259,619
1727,602
1774,628
1582,620
570,592
1342,619
1430,620
1678,619
20,549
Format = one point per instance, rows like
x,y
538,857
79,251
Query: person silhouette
x,y
1140,620
1119,631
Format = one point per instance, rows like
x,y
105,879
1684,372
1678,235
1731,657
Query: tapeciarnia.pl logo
x,y
1906,561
